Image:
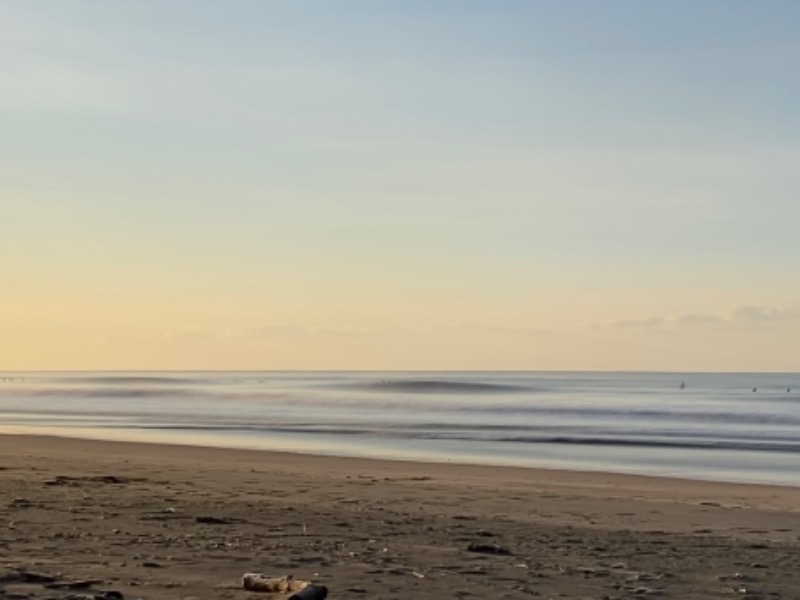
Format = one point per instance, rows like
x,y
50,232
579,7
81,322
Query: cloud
x,y
294,331
521,331
266,331
764,314
740,315
697,319
154,337
639,323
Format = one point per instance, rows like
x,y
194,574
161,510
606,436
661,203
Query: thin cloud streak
x,y
741,315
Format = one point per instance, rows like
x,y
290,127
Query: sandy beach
x,y
85,518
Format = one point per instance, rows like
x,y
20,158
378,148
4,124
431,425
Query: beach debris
x,y
70,480
23,576
592,571
53,582
59,480
737,576
213,520
79,584
110,595
298,588
311,592
642,577
113,479
464,518
489,549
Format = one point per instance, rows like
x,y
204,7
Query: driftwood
x,y
311,592
297,588
257,582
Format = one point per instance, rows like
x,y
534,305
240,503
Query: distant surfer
x,y
683,385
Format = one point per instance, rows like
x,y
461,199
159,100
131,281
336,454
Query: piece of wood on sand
x,y
295,589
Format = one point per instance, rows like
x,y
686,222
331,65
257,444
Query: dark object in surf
x,y
311,592
489,549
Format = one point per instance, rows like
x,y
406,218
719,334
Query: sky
x,y
416,184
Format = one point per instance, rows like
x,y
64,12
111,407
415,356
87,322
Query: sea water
x,y
729,427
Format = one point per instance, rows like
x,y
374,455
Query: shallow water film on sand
x,y
734,427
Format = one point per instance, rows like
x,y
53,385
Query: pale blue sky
x,y
614,169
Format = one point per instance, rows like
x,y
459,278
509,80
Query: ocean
x,y
741,427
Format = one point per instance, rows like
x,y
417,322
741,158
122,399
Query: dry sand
x,y
155,521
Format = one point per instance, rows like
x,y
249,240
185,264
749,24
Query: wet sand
x,y
155,521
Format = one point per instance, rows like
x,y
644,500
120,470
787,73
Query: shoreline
x,y
96,435
600,422
651,485
159,522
